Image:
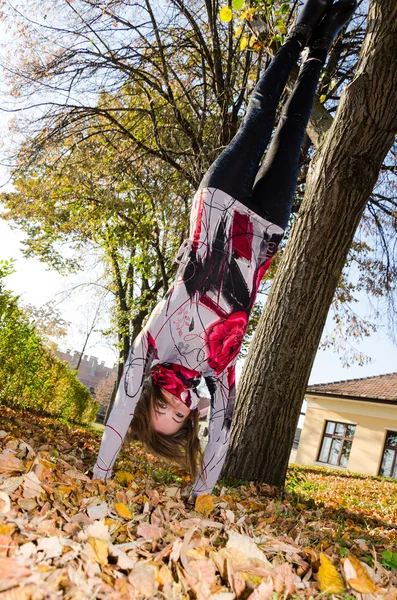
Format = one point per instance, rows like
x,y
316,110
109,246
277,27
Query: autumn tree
x,y
48,322
88,199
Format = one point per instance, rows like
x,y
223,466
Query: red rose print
x,y
224,339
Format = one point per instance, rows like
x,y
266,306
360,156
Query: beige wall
x,y
371,420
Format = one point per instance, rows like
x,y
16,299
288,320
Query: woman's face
x,y
169,417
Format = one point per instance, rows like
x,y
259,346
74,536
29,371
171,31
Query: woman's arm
x,y
222,391
129,391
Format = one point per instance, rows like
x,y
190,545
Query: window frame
x,y
386,447
343,438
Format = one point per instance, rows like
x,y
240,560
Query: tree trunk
x,y
342,175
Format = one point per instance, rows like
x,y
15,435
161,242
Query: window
x,y
388,467
336,444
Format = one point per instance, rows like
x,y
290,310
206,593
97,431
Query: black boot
x,y
333,21
308,18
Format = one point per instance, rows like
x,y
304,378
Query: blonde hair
x,y
181,447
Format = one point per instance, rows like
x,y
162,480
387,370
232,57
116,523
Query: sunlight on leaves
x,y
225,14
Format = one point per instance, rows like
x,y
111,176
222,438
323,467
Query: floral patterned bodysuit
x,y
198,328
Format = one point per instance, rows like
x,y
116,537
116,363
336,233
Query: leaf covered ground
x,y
63,535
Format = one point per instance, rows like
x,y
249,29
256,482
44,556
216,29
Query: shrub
x,y
30,377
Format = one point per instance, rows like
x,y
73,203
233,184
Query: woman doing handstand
x,y
238,218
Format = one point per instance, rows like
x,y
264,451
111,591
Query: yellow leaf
x,y
357,576
65,489
329,580
123,511
282,29
238,31
164,575
4,529
204,504
225,14
243,43
252,40
323,98
112,523
99,550
124,477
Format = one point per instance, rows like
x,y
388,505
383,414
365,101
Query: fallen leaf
x,y
31,486
98,511
10,463
98,530
75,474
98,550
124,477
123,560
205,504
357,576
246,546
329,580
264,591
51,547
11,484
27,550
27,503
150,532
123,511
283,579
172,491
143,578
7,528
10,568
5,503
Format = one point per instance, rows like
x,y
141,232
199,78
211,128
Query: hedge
x,y
30,377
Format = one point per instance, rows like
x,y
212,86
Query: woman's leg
x,y
275,182
235,169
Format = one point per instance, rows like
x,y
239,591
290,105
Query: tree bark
x,y
342,175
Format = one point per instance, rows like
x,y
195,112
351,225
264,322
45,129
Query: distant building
x,y
92,373
352,425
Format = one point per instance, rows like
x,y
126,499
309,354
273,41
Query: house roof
x,y
378,388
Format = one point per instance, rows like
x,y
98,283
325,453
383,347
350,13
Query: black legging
x,y
270,190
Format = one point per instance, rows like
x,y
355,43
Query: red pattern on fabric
x,y
176,379
152,344
242,232
261,271
199,218
115,431
231,377
224,339
212,305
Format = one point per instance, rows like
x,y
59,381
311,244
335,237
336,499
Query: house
x,y
92,373
352,425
